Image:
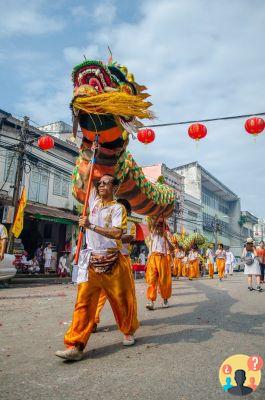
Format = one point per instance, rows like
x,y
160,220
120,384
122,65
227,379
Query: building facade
x,y
50,214
175,181
220,207
248,223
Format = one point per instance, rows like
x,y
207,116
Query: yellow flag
x,y
19,220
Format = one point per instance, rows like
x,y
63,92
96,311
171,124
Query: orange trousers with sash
x,y
118,287
220,263
158,274
103,297
194,269
211,269
178,267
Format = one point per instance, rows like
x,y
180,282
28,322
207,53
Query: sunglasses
x,y
104,183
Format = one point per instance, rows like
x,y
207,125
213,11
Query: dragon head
x,y
107,100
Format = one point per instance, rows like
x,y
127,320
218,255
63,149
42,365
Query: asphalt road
x,y
177,356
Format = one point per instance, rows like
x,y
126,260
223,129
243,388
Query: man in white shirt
x,y
106,269
158,270
230,261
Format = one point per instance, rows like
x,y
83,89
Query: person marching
x,y
178,261
220,260
210,260
126,240
193,259
105,268
158,271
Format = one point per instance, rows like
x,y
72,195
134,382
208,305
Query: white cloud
x,y
105,12
26,18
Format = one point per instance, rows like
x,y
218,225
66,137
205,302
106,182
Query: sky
x,y
199,59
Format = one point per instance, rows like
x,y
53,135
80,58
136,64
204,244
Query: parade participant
x,y
158,271
220,260
252,267
178,262
210,260
229,263
3,241
47,253
106,269
185,266
261,257
193,260
126,240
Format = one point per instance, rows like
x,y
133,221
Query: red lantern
x,y
254,125
197,131
46,143
146,136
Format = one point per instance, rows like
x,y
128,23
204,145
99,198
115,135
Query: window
x,y
61,184
38,186
10,167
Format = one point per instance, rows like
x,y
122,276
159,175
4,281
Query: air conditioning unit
x,y
8,214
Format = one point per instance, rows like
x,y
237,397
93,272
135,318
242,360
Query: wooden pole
x,y
82,230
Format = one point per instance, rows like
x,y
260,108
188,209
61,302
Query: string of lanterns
x,y
196,131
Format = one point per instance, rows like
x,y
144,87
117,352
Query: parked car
x,y
7,268
239,264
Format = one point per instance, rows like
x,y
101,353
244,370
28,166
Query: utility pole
x,y
216,229
19,175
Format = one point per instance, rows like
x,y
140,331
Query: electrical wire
x,y
206,120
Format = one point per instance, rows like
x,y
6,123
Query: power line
x,y
206,120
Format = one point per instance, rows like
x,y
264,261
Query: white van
x,y
7,268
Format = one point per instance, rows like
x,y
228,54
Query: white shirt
x,y
209,255
220,254
193,255
47,253
229,257
109,215
158,244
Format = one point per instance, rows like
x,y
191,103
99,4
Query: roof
x,y
40,211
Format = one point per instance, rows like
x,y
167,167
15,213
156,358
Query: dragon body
x,y
108,102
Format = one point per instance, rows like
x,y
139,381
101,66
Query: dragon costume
x,y
108,102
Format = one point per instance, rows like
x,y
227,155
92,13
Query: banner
x,y
19,220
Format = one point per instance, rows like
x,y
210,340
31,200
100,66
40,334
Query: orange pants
x,y
103,297
175,270
211,269
158,274
220,263
118,288
194,270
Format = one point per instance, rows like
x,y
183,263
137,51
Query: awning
x,y
51,214
141,232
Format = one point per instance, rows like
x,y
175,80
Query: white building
x,y
50,211
220,207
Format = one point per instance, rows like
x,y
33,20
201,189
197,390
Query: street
x,y
177,356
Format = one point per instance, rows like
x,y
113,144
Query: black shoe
x,y
250,288
259,288
95,327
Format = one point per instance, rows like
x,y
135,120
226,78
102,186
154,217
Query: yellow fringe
x,y
117,103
